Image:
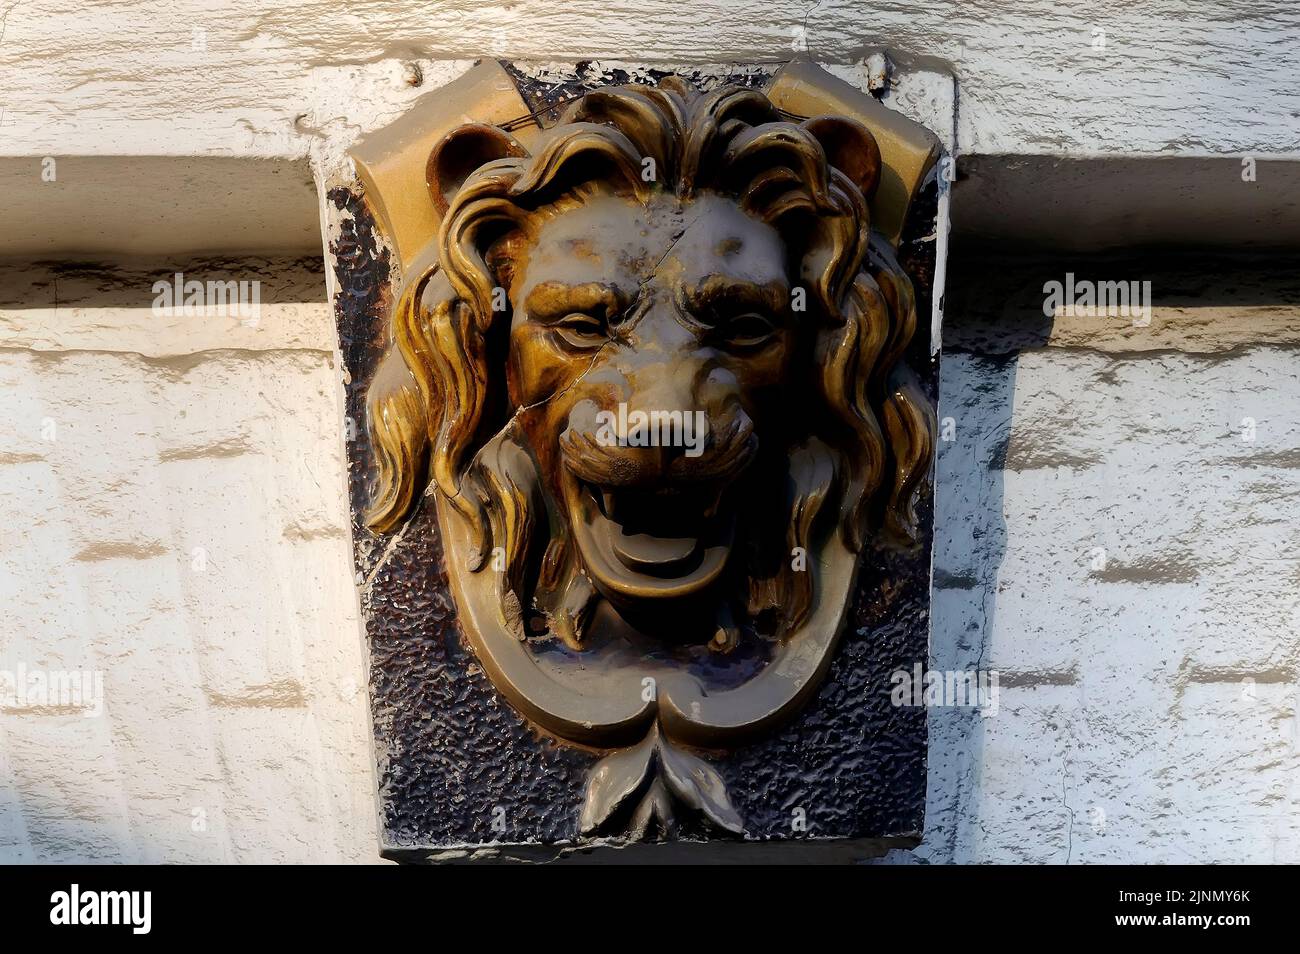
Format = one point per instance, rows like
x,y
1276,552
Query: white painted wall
x,y
1127,728
1148,710
192,77
172,497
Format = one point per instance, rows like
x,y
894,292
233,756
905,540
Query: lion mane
x,y
437,414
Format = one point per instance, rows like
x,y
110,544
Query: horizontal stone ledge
x,y
140,306
1095,202
87,207
105,207
1200,302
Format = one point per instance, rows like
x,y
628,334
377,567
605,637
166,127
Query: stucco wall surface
x,y
183,530
1115,535
172,491
193,77
174,520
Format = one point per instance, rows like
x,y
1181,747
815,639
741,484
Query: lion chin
x,y
629,561
632,557
653,530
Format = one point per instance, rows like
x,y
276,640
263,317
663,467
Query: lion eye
x,y
748,329
582,331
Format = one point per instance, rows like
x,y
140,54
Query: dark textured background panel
x,y
453,757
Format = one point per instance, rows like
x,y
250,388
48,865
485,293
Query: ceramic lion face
x,y
650,374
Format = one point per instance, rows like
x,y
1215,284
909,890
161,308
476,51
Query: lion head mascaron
x,y
650,373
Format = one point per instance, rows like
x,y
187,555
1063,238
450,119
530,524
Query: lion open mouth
x,y
664,544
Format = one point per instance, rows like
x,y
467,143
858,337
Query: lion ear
x,y
460,152
850,147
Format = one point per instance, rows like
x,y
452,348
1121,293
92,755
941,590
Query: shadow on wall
x,y
976,396
76,822
1131,674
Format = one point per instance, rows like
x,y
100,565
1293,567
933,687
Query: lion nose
x,y
656,416
665,386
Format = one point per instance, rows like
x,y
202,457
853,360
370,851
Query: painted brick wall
x,y
182,529
1148,694
175,519
1147,710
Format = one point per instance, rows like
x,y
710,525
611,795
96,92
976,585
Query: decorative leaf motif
x,y
696,784
655,775
614,780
